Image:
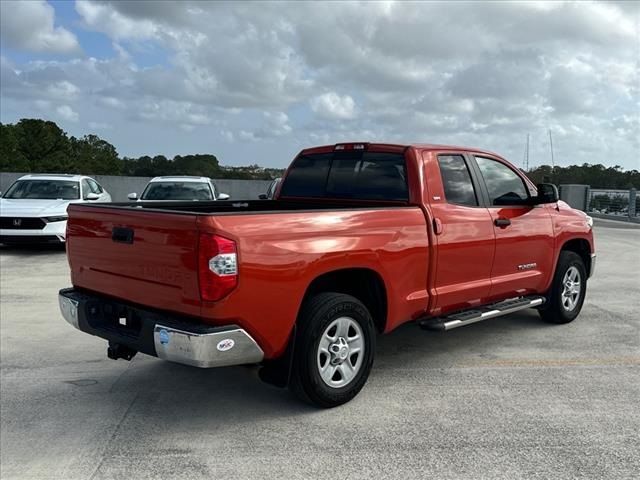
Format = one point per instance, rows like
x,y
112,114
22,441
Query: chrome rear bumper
x,y
217,349
158,334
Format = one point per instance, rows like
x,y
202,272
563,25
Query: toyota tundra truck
x,y
359,239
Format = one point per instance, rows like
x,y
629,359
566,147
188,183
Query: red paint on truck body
x,y
426,271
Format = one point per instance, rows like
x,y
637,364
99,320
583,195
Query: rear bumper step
x,y
130,329
478,314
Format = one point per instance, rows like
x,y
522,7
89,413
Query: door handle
x,y
502,222
437,226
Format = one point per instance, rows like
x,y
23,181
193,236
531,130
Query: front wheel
x,y
566,296
334,349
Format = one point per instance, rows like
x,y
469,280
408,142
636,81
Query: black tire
x,y
556,309
316,316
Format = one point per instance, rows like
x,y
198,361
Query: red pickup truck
x,y
359,239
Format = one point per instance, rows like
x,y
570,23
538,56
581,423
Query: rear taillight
x,y
217,266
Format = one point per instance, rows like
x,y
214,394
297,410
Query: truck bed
x,y
282,246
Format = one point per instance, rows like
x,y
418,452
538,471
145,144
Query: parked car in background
x,y
34,208
271,191
177,188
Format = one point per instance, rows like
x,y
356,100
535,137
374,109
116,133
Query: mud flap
x,y
278,372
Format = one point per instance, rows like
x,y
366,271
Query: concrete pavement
x,y
507,398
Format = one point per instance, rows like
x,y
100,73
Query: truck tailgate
x,y
145,257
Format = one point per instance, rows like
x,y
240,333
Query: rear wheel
x,y
566,296
334,350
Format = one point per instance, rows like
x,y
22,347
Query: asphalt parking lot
x,y
507,398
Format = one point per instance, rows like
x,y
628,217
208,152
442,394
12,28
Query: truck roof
x,y
398,146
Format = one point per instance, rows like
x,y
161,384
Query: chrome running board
x,y
478,314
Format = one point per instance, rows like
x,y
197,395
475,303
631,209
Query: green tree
x,y
11,158
162,165
44,146
597,176
92,155
200,164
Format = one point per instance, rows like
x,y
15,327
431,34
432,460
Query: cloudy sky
x,y
255,82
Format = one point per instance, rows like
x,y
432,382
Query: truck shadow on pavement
x,y
172,391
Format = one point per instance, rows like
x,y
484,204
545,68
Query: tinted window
x,y
358,175
307,176
458,187
177,191
44,190
505,186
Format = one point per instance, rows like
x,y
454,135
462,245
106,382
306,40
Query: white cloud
x,y
112,102
247,136
188,115
67,113
277,124
279,77
63,90
30,26
333,106
102,17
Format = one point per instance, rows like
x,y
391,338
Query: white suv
x,y
180,188
34,208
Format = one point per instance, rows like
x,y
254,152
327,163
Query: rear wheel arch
x,y
364,284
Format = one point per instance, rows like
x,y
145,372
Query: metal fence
x,y
615,203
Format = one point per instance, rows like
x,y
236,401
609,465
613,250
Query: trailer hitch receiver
x,y
117,350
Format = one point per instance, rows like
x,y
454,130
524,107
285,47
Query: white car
x,y
34,208
180,188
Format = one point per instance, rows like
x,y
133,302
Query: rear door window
x,y
350,174
458,187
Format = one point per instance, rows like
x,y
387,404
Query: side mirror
x,y
91,196
132,196
263,196
223,196
547,193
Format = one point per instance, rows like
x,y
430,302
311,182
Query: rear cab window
x,y
351,174
456,179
